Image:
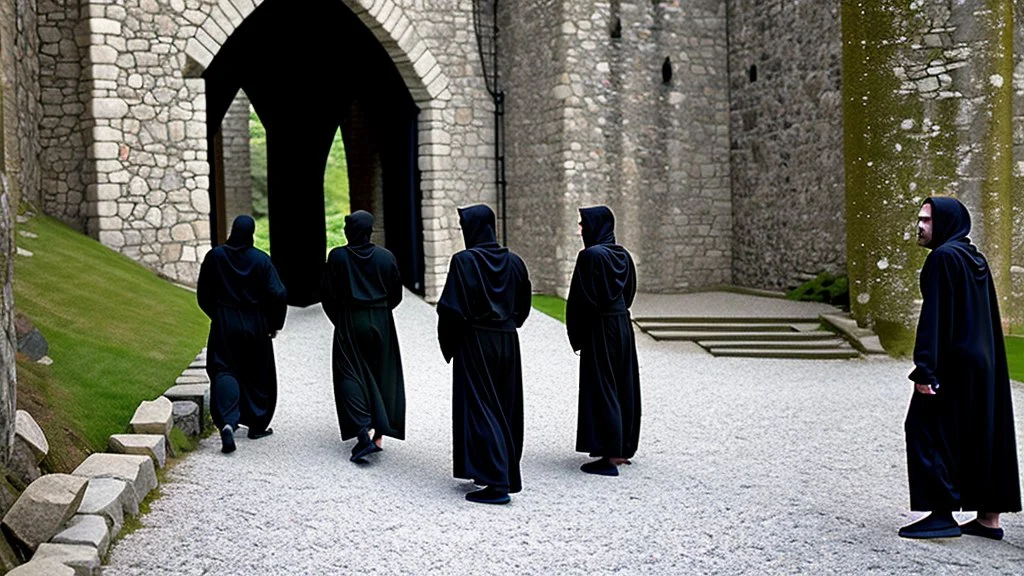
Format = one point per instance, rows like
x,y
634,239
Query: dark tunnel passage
x,y
308,71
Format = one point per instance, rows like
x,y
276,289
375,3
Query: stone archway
x,y
423,78
144,167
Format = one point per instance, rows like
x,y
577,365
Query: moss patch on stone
x,y
827,288
897,339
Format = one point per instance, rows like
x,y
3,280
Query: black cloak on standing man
x,y
485,299
361,286
238,288
598,322
961,447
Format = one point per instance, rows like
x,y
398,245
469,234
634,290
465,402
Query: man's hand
x,y
924,389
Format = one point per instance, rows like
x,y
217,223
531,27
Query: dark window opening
x,y
666,70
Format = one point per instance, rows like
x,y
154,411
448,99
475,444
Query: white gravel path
x,y
745,466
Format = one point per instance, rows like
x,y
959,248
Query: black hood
x,y
477,223
242,230
358,228
598,225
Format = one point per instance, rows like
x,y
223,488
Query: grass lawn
x,y
336,191
551,305
1015,356
118,334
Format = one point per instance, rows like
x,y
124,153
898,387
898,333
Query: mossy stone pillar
x,y
924,114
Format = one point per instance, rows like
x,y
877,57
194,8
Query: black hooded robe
x,y
485,299
238,288
961,445
361,286
598,323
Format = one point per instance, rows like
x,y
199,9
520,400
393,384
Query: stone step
x,y
861,338
769,345
195,373
809,319
137,471
42,567
204,379
833,354
111,499
198,393
84,559
86,530
186,417
152,445
42,510
153,417
744,336
722,327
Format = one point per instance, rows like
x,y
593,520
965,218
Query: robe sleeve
x,y
450,319
932,338
328,298
576,306
205,291
630,292
394,285
276,306
524,296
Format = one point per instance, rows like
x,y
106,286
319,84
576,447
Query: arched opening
x,y
309,73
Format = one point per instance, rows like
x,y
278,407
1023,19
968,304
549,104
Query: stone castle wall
x,y
63,129
592,120
1016,311
786,122
237,161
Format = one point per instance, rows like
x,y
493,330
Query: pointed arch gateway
x,y
357,64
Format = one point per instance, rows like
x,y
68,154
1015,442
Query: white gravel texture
x,y
745,466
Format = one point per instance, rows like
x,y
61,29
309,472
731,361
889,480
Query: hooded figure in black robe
x,y
485,299
598,322
961,447
361,286
238,288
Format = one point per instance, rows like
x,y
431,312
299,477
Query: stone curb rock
x,y
111,499
195,373
192,380
152,445
42,510
42,567
86,530
153,417
30,447
137,471
28,431
84,559
30,340
198,393
186,417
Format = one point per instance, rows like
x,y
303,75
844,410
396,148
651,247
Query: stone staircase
x,y
794,337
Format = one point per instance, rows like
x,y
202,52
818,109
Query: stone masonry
x,y
62,132
237,174
29,106
786,121
713,128
629,108
1016,309
132,168
8,338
